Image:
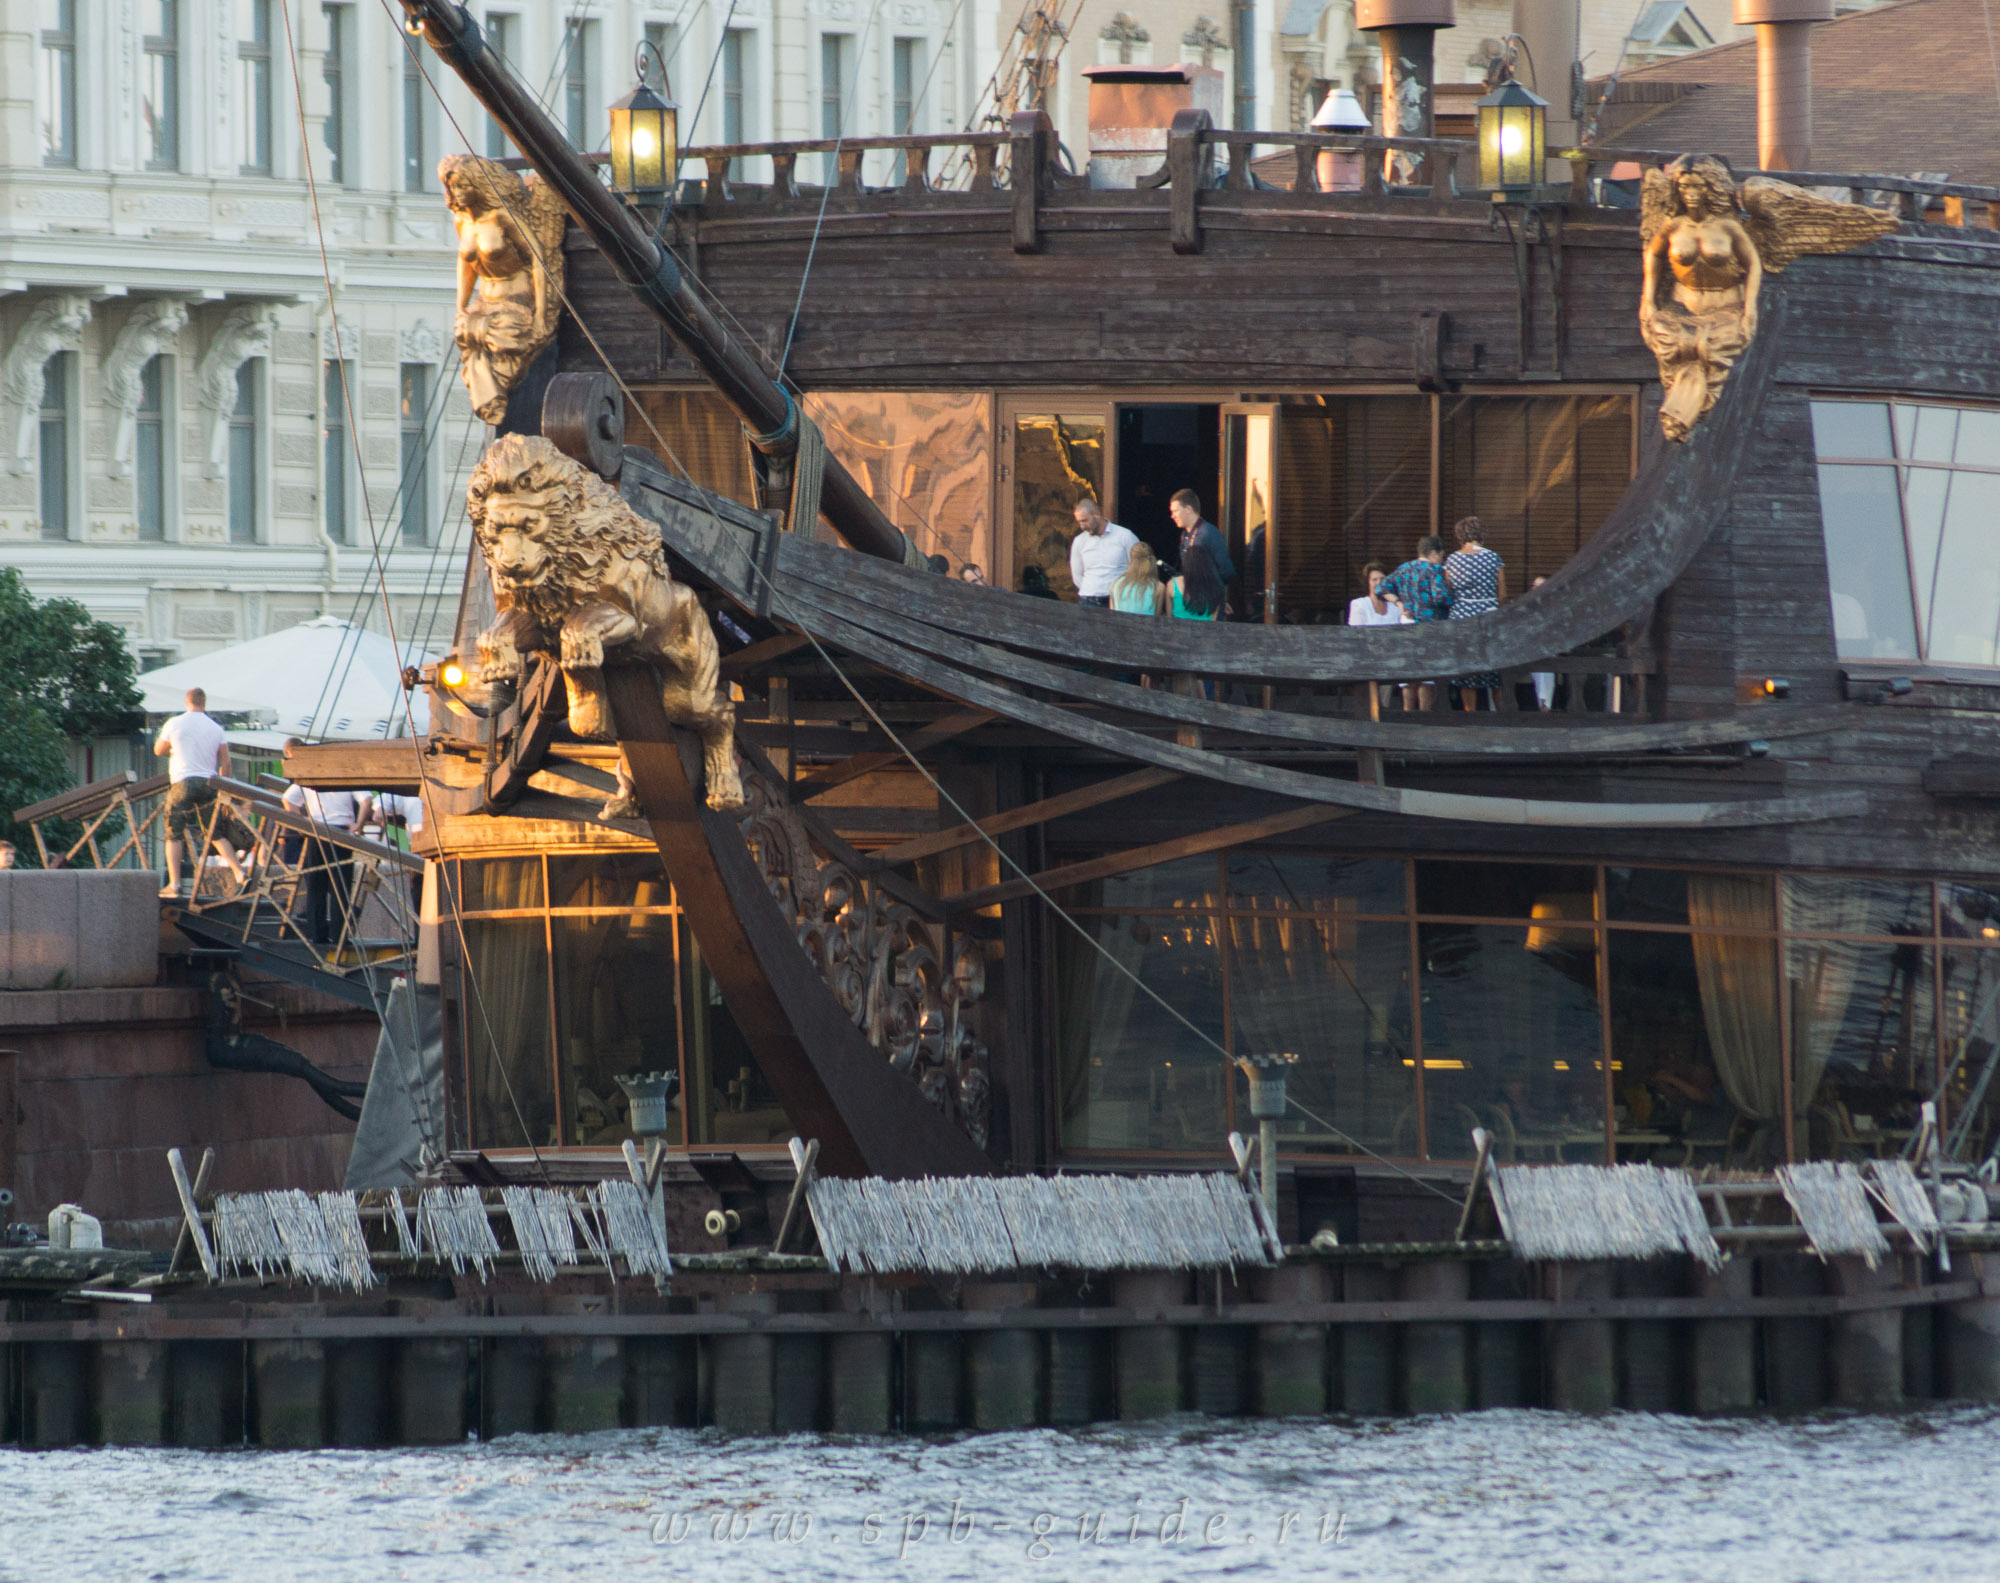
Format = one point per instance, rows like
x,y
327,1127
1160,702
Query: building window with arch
x,y
253,86
503,32
244,454
333,69
58,383
58,18
414,111
149,452
160,85
580,110
335,448
414,398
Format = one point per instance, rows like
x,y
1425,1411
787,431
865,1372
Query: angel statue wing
x,y
544,221
1657,204
1787,222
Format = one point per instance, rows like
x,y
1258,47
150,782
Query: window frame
x,y
502,29
165,50
257,107
67,471
416,127
416,440
339,21
579,83
337,470
245,420
164,423
57,79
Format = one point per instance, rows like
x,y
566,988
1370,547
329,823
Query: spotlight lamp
x,y
645,132
1777,687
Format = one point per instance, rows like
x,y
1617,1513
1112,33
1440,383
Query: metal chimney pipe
x,y
1408,30
1784,77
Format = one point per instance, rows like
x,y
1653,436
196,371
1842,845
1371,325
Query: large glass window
x,y
333,68
581,115
58,376
413,415
336,449
1908,494
149,452
836,86
58,19
160,83
739,111
244,490
1575,1012
253,86
415,114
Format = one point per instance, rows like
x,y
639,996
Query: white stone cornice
x,y
244,333
55,324
152,327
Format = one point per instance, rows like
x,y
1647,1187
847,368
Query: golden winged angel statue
x,y
1708,243
510,274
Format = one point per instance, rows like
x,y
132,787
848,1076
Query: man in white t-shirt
x,y
194,746
1099,555
329,866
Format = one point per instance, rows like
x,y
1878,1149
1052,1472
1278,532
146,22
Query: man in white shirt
x,y
329,867
196,751
1099,554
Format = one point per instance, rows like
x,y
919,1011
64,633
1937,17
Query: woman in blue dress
x,y
1478,581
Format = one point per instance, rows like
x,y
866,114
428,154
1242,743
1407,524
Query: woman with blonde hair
x,y
1139,592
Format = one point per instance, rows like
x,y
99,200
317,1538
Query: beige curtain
x,y
1739,989
506,1010
1819,974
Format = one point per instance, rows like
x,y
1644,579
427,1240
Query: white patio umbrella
x,y
327,680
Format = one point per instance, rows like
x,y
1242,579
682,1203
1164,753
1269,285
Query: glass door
x,y
1053,454
1250,504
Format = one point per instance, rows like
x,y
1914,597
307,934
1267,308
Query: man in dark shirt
x,y
1185,509
1420,588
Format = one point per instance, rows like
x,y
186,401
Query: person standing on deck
x,y
1185,509
1419,586
329,866
1378,609
194,746
1478,579
1140,592
1098,555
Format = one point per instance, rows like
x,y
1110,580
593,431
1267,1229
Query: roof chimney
x,y
1784,77
1408,31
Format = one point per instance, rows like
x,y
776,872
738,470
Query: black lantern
x,y
645,134
1512,123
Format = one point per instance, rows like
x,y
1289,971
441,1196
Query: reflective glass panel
x,y
1850,904
1281,881
1186,882
1970,911
1867,566
1851,428
1972,1051
1864,1044
615,1014
1507,890
1673,1101
1978,437
505,1016
1058,459
500,884
1646,895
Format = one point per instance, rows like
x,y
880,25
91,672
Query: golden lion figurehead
x,y
551,529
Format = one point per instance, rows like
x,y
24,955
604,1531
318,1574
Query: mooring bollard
x,y
288,1388
432,1373
1867,1346
510,1387
1794,1348
1433,1363
1581,1352
1367,1349
1290,1357
132,1393
1503,1349
205,1390
660,1380
1722,1375
357,1392
1148,1355
1002,1367
739,1378
1649,1350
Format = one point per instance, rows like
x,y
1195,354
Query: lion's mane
x,y
591,528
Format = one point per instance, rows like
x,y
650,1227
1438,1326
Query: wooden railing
x,y
1910,197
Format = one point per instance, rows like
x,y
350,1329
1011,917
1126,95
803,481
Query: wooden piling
x,y
1582,1353
861,1382
1505,1354
1367,1351
584,1382
660,1380
1794,1349
1867,1346
1722,1362
798,1383
1920,1339
205,1393
1002,1367
1078,1369
1432,1375
431,1376
131,1392
1289,1360
55,1393
510,1387
288,1394
738,1375
933,1370
1972,1349
357,1393
1148,1356
1650,1370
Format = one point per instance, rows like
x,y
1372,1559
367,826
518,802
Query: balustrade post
x,y
1185,167
785,174
715,190
983,157
1031,137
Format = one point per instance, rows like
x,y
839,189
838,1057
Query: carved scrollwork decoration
x,y
882,962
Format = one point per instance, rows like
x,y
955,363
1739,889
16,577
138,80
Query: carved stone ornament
x,y
150,328
578,573
510,274
1708,244
245,332
55,324
881,960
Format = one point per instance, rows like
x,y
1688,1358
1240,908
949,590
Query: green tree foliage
x,y
62,674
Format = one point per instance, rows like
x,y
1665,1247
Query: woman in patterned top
x,y
1478,581
1419,586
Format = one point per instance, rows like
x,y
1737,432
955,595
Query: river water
x,y
1492,1497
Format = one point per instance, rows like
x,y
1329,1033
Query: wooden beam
x,y
762,652
859,764
1147,856
1027,814
357,766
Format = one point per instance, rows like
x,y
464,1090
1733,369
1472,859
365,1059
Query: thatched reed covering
x,y
294,1234
1601,1212
1832,1204
981,1226
1896,1185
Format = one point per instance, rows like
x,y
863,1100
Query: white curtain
x,y
1739,989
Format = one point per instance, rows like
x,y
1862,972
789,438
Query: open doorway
x,y
1164,447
